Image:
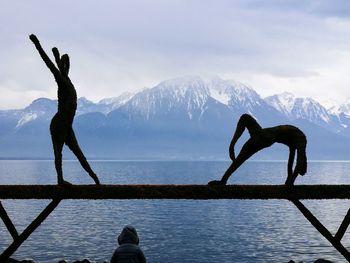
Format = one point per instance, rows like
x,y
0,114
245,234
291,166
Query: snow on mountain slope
x,y
110,104
41,108
304,108
234,94
188,95
283,102
311,110
192,95
342,112
27,117
343,108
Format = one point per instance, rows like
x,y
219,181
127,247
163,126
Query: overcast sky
x,y
116,46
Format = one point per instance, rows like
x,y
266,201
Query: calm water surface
x,y
176,230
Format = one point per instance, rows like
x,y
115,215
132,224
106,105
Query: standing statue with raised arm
x,y
261,138
61,124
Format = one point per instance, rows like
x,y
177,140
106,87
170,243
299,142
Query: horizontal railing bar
x,y
175,192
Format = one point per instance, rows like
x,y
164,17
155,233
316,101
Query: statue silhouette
x,y
261,138
61,124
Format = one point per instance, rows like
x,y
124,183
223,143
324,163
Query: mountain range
x,y
183,118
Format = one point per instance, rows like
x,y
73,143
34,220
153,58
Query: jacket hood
x,y
128,235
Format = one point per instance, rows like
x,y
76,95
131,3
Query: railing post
x,y
8,223
344,225
29,230
324,231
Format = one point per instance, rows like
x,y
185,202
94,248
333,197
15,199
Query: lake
x,y
176,230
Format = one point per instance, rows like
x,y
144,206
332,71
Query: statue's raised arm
x,y
43,55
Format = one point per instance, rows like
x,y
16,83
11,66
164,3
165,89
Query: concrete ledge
x,y
175,192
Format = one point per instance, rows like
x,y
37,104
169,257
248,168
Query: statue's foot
x,y
97,182
216,182
64,183
95,178
289,184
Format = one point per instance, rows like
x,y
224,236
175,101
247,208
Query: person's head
x,y
128,235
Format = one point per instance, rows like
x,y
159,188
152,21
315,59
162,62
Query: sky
x,y
274,46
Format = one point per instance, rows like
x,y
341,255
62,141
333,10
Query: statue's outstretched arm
x,y
245,121
43,55
291,161
231,150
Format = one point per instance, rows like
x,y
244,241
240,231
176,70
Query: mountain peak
x,y
84,100
300,108
181,85
231,92
343,108
283,102
42,105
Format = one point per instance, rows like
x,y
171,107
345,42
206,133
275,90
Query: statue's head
x,y
62,62
65,64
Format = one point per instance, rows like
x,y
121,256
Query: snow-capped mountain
x,y
342,112
283,102
193,98
109,104
40,109
342,108
104,106
295,108
187,95
187,116
233,93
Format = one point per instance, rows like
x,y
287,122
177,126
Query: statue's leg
x,y
248,149
72,143
57,147
300,167
291,179
58,135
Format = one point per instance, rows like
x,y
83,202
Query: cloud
x,y
322,8
117,46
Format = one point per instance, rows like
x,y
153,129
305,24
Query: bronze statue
x,y
61,124
261,138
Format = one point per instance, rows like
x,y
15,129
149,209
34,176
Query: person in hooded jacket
x,y
128,250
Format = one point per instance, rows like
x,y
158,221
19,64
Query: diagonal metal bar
x,y
29,230
322,229
8,223
343,227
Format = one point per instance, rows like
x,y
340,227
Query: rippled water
x,y
176,230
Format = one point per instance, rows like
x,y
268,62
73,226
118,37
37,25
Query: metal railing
x,y
199,192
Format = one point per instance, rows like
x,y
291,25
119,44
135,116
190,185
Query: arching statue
x,y
61,124
261,138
